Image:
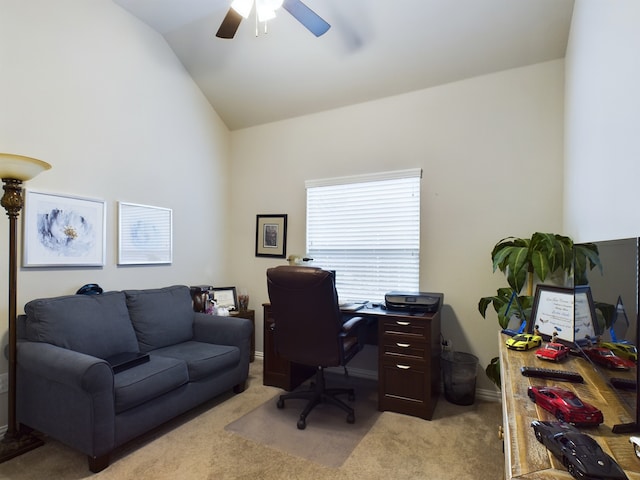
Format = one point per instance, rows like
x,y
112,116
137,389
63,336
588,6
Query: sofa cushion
x,y
148,380
96,325
203,359
161,316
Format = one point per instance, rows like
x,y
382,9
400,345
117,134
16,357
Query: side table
x,y
249,315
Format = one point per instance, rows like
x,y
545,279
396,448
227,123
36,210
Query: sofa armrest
x,y
67,367
67,395
218,330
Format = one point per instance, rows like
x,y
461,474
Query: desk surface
x,y
380,311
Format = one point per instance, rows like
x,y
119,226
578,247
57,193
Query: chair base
x,y
320,394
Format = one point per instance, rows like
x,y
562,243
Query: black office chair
x,y
309,330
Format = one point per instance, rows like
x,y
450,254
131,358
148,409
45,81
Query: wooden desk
x,y
525,457
408,360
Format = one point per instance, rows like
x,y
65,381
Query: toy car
x,y
565,405
552,351
622,349
606,358
578,452
635,441
524,341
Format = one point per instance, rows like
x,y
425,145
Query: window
x,y
367,229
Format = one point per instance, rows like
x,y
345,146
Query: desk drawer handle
x,y
403,345
404,324
403,367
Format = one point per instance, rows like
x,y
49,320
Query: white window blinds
x,y
367,229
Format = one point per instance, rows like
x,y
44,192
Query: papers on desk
x,y
351,307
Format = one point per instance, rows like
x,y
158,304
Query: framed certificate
x,y
552,313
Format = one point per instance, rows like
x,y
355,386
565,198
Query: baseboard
x,y
488,395
483,394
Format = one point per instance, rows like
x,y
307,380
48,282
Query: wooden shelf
x,y
525,457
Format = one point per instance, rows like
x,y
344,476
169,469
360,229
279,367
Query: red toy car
x,y
552,351
606,358
565,405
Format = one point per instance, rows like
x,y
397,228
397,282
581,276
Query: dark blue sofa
x,y
67,390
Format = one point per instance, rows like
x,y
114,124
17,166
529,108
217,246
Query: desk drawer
x,y
401,348
405,326
407,389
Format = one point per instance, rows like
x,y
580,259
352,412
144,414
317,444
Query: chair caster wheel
x,y
302,424
280,403
351,418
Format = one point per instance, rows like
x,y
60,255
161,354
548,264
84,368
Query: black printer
x,y
419,302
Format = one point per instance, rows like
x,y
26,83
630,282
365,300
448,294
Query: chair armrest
x,y
351,324
219,330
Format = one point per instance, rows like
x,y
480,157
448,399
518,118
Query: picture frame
x,y
62,230
271,236
586,326
145,234
225,297
553,312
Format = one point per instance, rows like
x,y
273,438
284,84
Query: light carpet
x,y
460,443
328,439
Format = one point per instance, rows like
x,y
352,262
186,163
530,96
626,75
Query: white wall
x,y
93,91
491,152
602,165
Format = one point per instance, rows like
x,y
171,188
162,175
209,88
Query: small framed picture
x,y
144,234
552,313
63,231
271,236
225,297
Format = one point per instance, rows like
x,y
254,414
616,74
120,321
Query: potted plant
x,y
544,255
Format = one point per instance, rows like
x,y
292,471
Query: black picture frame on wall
x,y
271,235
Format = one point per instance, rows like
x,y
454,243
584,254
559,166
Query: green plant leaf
x,y
483,304
564,253
493,371
540,264
586,258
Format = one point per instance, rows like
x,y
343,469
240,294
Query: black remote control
x,y
623,383
550,373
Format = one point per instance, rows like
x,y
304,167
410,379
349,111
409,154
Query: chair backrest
x,y
307,317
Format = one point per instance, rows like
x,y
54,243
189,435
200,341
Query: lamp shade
x,y
20,167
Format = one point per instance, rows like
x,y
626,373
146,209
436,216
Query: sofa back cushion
x,y
161,316
97,325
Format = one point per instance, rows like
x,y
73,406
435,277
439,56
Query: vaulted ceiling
x,y
374,49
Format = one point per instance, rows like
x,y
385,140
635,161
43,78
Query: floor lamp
x,y
15,169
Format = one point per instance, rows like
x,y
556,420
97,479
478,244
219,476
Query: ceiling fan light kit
x,y
266,10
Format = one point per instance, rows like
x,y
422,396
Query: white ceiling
x,y
374,49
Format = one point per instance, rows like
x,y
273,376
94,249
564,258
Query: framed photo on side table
x,y
271,236
225,297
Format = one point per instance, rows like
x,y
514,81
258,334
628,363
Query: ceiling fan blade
x,y
229,25
307,17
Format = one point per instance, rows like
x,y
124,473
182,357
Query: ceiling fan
x,y
265,10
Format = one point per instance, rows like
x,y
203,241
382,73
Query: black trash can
x,y
459,372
